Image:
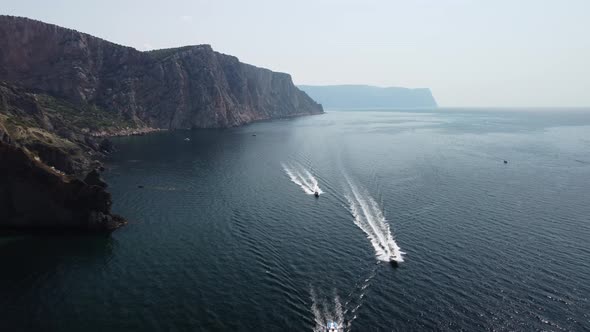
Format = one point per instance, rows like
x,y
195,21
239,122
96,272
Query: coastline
x,y
125,132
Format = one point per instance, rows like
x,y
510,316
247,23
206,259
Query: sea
x,y
486,213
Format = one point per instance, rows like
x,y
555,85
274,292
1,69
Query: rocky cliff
x,y
59,132
40,142
187,87
62,90
34,196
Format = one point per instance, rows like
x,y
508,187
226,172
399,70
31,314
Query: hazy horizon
x,y
470,54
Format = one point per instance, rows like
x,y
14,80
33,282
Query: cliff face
x,y
53,129
188,87
365,96
39,144
60,89
33,196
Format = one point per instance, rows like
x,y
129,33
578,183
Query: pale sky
x,y
468,52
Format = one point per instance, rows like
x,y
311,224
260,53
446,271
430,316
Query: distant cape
x,y
366,96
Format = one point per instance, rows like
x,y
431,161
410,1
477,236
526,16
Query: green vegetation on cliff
x,y
84,117
56,131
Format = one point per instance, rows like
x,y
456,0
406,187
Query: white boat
x,y
332,327
394,260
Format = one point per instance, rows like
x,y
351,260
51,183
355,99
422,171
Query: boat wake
x,y
369,217
326,311
303,178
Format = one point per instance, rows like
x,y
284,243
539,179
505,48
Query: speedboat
x,y
394,260
187,139
332,327
316,193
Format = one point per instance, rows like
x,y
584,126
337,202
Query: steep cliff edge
x,y
55,130
39,143
187,87
33,196
62,90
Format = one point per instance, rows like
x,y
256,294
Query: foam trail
x,y
313,181
318,315
303,178
369,217
338,312
323,313
356,298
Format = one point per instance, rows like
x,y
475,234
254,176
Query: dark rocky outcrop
x,y
187,87
33,196
106,145
93,179
4,137
366,96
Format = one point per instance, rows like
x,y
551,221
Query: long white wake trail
x,y
326,311
369,217
303,178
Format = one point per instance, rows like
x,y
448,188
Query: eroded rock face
x,y
4,137
188,87
93,179
25,122
32,196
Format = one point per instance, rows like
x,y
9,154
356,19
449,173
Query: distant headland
x,y
366,96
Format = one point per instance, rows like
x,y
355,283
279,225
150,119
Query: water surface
x,y
222,237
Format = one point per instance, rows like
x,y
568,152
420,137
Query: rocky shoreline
x,y
126,132
35,197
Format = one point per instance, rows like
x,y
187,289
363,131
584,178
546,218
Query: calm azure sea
x,y
226,234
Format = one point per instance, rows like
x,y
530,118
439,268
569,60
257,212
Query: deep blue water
x,y
221,238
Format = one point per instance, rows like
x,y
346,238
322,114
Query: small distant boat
x,y
187,139
332,327
505,161
316,194
253,134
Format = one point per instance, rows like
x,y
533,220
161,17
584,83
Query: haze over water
x,y
227,235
